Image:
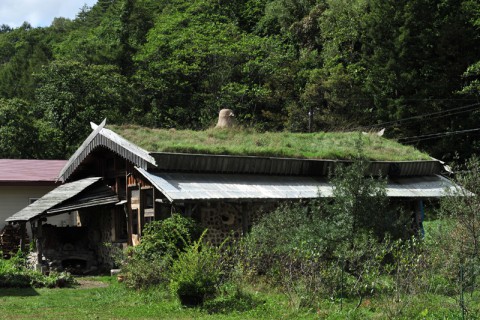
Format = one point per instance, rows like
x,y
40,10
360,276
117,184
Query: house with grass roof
x,y
122,177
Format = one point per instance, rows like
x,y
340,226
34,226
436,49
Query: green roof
x,y
247,142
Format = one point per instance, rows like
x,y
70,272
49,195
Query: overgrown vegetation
x,y
238,141
196,273
355,248
348,247
173,255
149,263
15,274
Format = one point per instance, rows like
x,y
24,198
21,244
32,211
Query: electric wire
x,y
435,135
439,114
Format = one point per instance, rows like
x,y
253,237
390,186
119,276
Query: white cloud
x,y
39,13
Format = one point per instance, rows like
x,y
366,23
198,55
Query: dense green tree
x,y
415,65
95,37
108,33
342,75
196,62
473,72
22,135
71,94
23,51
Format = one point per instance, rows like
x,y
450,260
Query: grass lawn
x,y
236,141
113,301
116,302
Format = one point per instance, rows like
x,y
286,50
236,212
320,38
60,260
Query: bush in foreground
x,y
195,275
149,263
14,274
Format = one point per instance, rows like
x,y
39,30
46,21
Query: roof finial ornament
x,y
94,126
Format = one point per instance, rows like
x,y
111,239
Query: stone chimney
x,y
225,119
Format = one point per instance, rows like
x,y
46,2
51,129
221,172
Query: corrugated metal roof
x,y
435,186
209,163
26,170
101,136
54,198
178,187
97,195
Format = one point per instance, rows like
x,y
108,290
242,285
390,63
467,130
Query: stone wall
x,y
68,248
229,220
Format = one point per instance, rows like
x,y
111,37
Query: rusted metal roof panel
x,y
26,170
57,197
178,187
102,137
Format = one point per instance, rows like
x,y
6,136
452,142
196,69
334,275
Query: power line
x,y
418,117
436,135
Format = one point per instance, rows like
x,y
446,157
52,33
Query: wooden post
x,y
115,213
141,211
188,210
39,238
23,232
156,207
129,216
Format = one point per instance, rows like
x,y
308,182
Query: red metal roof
x,y
23,170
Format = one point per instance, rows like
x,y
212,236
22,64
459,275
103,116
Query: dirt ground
x,y
89,284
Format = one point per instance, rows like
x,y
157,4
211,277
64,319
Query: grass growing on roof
x,y
247,142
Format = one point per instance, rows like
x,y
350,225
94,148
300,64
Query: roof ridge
x,y
100,136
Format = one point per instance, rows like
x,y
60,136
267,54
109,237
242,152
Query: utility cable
x,y
421,116
436,135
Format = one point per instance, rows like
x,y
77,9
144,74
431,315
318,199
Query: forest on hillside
x,y
409,66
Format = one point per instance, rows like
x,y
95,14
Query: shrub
x,y
336,248
231,299
462,242
149,263
141,272
168,237
53,280
195,275
13,274
304,232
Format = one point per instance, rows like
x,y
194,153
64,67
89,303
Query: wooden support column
x,y
141,211
156,207
129,216
39,240
23,232
188,210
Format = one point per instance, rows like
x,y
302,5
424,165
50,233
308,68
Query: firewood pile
x,y
10,239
